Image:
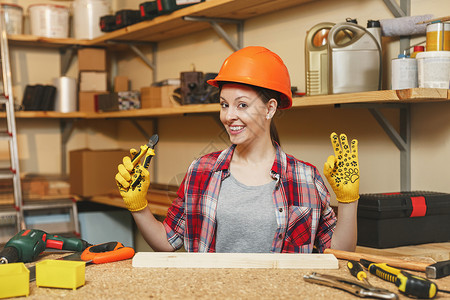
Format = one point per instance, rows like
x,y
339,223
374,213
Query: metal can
x,y
438,37
404,73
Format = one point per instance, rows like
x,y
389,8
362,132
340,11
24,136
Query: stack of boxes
x,y
93,77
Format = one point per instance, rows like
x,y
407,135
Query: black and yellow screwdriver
x,y
356,270
408,284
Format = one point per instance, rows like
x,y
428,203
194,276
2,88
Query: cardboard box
x,y
157,96
93,81
121,84
92,172
86,101
91,59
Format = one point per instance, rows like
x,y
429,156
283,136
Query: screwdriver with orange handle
x,y
408,284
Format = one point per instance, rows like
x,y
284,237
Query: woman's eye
x,y
223,105
242,105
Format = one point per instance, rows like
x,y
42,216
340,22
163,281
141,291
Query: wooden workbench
x,y
120,280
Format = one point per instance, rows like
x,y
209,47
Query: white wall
x,y
304,132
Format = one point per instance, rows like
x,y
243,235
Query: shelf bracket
x,y
133,46
401,138
214,22
66,54
66,126
402,10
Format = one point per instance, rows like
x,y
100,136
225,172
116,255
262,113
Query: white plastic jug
x,y
316,59
354,59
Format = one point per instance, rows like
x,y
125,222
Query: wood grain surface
x,y
120,280
234,260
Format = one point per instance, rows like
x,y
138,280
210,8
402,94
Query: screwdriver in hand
x,y
407,283
356,270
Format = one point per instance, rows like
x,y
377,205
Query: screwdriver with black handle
x,y
356,270
408,284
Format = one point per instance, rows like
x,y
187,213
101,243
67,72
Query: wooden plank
x,y
159,201
172,25
415,95
234,260
46,115
31,40
158,112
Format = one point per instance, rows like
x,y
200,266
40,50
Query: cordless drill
x,y
26,245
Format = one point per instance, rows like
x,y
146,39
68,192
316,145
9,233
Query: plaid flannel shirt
x,y
302,205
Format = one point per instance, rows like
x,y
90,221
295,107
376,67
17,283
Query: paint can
x,y
433,69
48,20
86,17
66,94
404,73
438,37
13,14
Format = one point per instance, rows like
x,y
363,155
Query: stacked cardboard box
x,y
92,77
158,96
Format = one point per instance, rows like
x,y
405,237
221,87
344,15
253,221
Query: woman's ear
x,y
271,108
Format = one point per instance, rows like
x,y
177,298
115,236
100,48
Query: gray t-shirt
x,y
246,221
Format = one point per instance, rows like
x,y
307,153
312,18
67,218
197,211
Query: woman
x,y
252,197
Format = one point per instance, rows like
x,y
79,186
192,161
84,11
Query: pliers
x,y
354,287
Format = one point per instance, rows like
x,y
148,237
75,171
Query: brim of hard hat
x,y
285,101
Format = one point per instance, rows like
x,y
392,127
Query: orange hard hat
x,y
259,67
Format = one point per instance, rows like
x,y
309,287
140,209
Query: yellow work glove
x,y
133,179
342,169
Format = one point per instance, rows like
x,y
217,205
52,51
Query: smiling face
x,y
243,113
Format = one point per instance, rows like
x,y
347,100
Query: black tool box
x,y
108,23
389,220
149,10
168,6
127,17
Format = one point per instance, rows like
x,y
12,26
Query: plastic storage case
x,y
399,219
60,274
168,6
127,17
14,280
149,10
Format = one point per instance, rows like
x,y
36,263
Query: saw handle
x,y
107,252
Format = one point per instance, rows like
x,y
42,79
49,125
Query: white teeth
x,y
236,127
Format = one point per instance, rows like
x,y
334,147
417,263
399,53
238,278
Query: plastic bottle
x,y
417,49
354,59
316,59
374,27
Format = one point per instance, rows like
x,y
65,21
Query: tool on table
x,y
135,160
354,287
394,262
357,271
438,270
96,254
26,245
408,284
